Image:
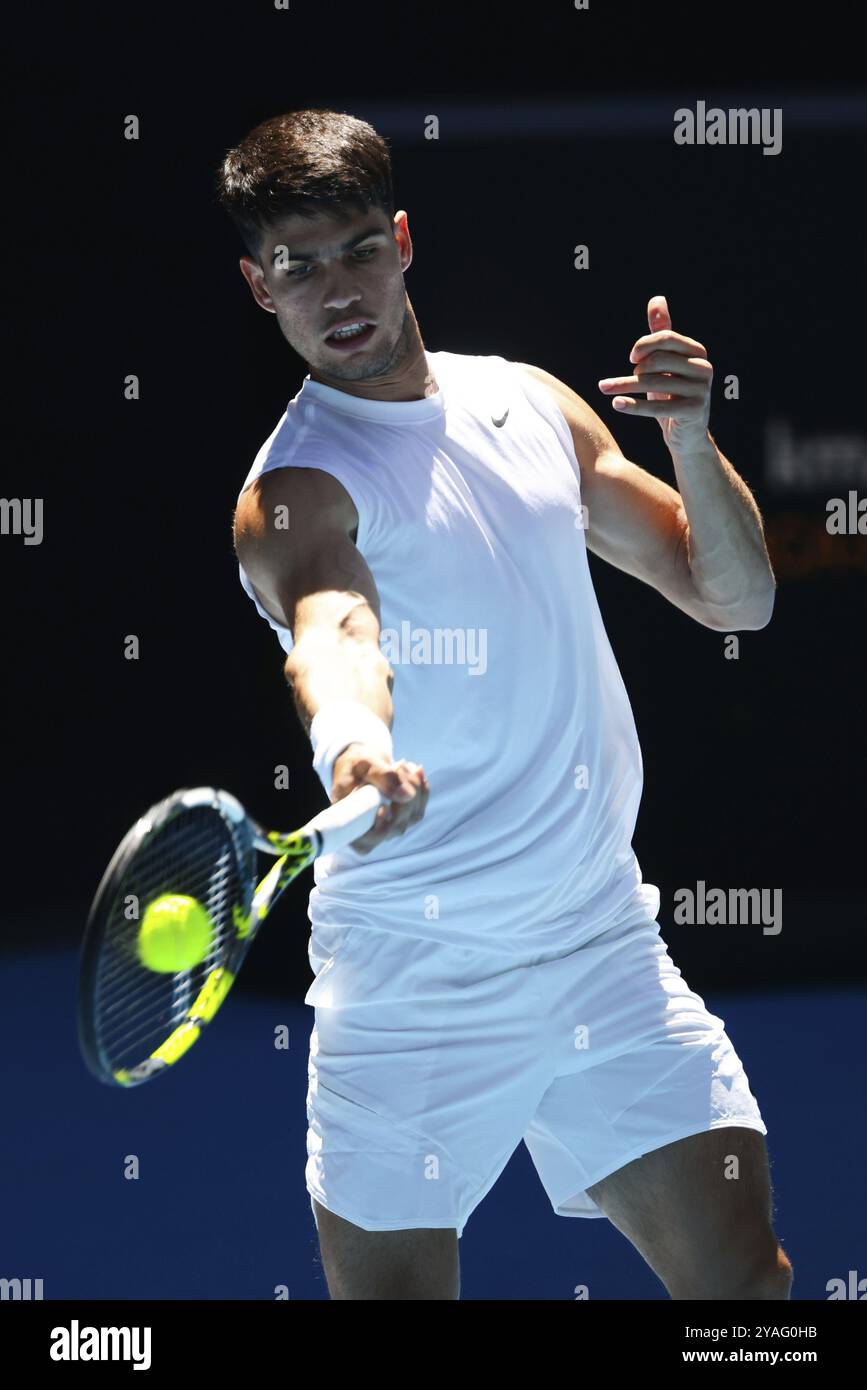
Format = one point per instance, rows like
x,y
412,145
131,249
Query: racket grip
x,y
346,820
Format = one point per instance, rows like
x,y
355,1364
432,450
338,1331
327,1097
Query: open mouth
x,y
353,336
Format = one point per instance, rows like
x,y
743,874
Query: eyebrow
x,y
347,245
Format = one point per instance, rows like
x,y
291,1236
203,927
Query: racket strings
x,y
219,883
194,853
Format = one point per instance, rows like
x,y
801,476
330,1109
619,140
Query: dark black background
x,y
118,261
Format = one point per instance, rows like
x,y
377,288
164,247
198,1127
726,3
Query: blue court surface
x,y
220,1209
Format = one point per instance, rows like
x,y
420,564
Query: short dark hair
x,y
304,162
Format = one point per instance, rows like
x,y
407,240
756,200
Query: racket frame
x,y
326,832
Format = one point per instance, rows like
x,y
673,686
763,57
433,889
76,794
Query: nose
x,y
341,292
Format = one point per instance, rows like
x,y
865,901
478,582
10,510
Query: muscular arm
x,y
311,578
702,548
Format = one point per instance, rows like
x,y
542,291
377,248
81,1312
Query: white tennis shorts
x,y
429,1064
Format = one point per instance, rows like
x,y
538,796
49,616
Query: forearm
x,y
726,550
342,688
339,664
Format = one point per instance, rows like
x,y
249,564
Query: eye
x,y
294,274
367,251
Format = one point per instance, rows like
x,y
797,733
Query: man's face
x,y
319,272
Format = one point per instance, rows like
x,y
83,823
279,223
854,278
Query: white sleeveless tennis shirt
x,y
505,685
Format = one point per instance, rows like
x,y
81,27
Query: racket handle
x,y
346,820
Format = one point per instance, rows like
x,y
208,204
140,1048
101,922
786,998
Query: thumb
x,y
658,316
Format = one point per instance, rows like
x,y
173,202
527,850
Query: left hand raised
x,y
675,373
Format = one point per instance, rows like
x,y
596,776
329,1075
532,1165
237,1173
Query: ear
x,y
255,277
403,239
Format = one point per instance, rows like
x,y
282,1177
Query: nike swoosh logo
x,y
498,423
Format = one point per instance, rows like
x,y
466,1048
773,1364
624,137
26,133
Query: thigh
x,y
404,1264
698,1210
423,1074
640,1062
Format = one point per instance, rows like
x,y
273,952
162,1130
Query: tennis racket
x,y
135,1023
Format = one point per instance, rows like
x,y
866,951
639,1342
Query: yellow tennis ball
x,y
175,934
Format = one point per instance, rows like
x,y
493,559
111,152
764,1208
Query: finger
x,y
671,341
655,381
661,361
391,820
407,813
394,782
399,814
377,770
383,822
677,407
417,774
378,831
417,806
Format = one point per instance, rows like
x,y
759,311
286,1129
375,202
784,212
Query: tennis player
x,y
488,965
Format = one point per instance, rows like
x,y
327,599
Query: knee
x,y
773,1278
751,1270
767,1275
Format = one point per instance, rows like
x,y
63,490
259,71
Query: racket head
x,y
133,1022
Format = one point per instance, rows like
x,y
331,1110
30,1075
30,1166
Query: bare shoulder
x,y
315,503
294,533
590,435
